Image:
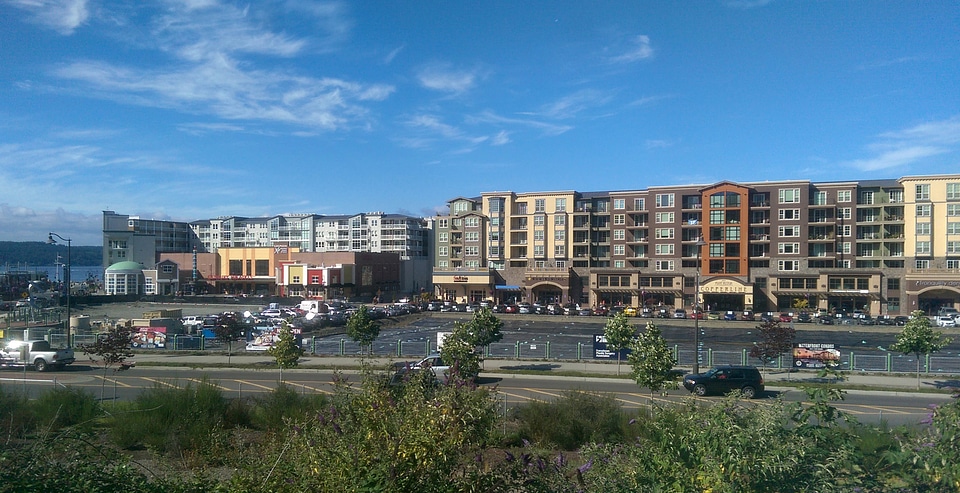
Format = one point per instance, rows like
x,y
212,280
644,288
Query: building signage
x,y
726,287
935,283
280,250
461,279
815,355
600,350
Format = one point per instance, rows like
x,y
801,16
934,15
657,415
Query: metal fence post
x,y
342,344
548,349
399,346
850,364
889,362
517,350
743,357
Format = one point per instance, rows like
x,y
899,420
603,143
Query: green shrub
x,y
16,416
62,407
274,409
573,420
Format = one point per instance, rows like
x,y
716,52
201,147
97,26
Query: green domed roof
x,y
126,266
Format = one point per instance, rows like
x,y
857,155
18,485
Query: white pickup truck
x,y
38,354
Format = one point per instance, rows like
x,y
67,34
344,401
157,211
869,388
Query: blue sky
x,y
192,109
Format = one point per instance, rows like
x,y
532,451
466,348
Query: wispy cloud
x,y
208,74
658,143
888,63
648,100
63,16
502,138
546,128
911,145
569,106
639,49
443,78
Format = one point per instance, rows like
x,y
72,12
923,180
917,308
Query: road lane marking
x,y
114,381
255,384
161,382
322,391
208,382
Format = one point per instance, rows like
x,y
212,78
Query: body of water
x,y
78,273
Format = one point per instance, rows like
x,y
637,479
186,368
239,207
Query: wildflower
x,y
586,467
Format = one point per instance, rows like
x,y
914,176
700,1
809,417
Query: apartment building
x,y
882,246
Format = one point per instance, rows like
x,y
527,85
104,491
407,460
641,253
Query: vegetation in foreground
x,y
378,434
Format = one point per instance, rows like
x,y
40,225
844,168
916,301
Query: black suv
x,y
724,379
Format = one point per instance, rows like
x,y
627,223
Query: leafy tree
x,y
484,329
228,330
285,350
619,333
362,328
801,303
651,359
460,353
775,339
919,338
110,349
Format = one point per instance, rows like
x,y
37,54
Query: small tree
x,y
651,359
460,352
484,329
919,338
619,333
228,330
110,350
362,328
775,339
285,350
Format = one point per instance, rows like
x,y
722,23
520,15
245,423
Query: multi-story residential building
x,y
144,241
883,246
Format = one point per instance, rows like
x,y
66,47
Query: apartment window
x,y
665,217
717,217
619,204
538,251
846,247
923,228
442,237
561,205
619,249
494,235
789,195
845,213
820,198
953,191
560,235
923,248
471,236
540,205
896,196
788,248
664,265
471,251
716,249
619,234
560,220
443,223
731,233
664,233
922,264
866,198
953,210
471,264
559,251
665,249
789,214
664,200
923,210
471,222
789,231
619,264
538,235
167,269
845,230
844,196
953,264
538,220
619,219
521,208
788,265
639,205
923,191
494,250
953,228
893,284
442,251
953,247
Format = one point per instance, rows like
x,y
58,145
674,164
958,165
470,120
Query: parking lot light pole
x,y
696,316
66,277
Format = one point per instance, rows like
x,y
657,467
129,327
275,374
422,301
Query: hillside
x,y
42,253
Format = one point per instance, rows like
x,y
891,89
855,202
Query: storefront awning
x,y
504,287
659,290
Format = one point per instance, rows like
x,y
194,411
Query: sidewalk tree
x,y
619,334
484,329
110,350
775,339
919,338
362,328
229,329
460,352
285,350
651,359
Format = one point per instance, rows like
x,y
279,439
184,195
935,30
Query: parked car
x,y
901,320
646,312
525,308
866,320
614,310
786,318
584,311
697,314
725,379
804,318
946,321
825,320
679,313
886,320
730,315
713,315
601,311
630,311
747,316
434,306
511,309
570,309
555,309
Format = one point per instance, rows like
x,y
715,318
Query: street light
x,y
66,277
696,316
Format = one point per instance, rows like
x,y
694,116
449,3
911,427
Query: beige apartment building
x,y
881,246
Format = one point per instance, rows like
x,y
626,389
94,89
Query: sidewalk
x,y
550,369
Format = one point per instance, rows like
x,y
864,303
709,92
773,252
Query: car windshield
x,y
711,372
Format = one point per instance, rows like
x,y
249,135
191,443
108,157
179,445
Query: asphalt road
x,y
896,408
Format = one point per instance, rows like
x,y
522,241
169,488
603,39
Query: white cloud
x,y
657,143
640,49
440,77
546,128
502,138
568,106
911,145
63,16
